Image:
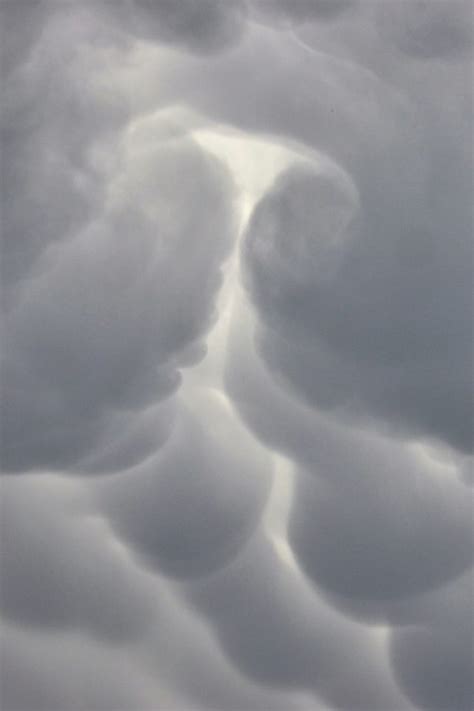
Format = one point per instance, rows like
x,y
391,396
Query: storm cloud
x,y
236,374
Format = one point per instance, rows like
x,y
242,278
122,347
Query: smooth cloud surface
x,y
237,405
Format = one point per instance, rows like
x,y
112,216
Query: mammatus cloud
x,y
164,510
91,335
236,377
205,27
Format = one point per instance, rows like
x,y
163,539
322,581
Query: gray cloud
x,y
204,27
236,274
93,332
299,11
280,635
20,31
77,610
49,132
432,660
54,576
428,30
44,675
352,484
387,333
332,529
192,507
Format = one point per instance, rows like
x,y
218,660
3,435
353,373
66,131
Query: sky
x,y
236,375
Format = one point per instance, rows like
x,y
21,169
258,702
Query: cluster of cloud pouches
x,y
237,405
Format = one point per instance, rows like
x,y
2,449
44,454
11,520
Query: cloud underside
x,y
237,368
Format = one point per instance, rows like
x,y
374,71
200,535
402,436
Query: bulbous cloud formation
x,y
165,511
204,27
237,368
365,303
91,333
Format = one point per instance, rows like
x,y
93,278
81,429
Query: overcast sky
x,y
237,405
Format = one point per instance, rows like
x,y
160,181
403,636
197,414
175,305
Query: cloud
x,y
20,32
385,335
49,134
432,660
236,376
279,634
204,27
427,30
92,336
54,575
332,529
383,130
190,509
42,675
77,609
351,484
299,11
300,229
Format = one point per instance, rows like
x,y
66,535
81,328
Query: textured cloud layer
x,y
165,510
100,327
237,405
